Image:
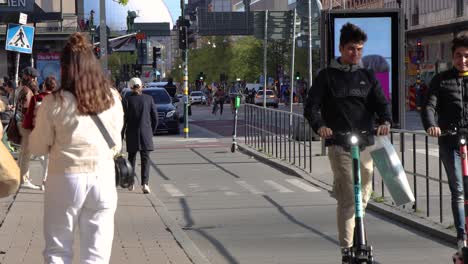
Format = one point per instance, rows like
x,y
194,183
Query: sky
x,y
174,8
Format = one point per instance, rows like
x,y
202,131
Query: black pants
x,y
215,107
144,156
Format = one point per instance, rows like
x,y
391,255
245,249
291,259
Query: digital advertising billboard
x,y
382,52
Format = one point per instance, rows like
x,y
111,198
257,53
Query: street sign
x,y
279,24
19,38
23,19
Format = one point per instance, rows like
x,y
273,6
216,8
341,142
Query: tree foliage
x,y
242,57
122,2
247,59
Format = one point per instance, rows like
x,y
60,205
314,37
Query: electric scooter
x,y
462,134
361,252
234,130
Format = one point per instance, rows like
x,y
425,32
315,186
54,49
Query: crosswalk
x,y
267,186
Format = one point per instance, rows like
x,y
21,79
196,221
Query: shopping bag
x,y
9,173
392,172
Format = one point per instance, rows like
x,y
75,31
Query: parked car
x,y
197,97
271,98
168,114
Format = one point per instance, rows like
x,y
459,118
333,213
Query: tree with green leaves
x,y
122,2
247,55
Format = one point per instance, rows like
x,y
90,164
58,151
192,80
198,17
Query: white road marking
x,y
280,188
249,187
172,190
229,193
300,184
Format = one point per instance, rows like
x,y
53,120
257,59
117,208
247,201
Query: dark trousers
x,y
144,156
450,156
215,107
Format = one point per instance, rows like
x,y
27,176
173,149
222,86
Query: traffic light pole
x,y
186,98
265,50
293,57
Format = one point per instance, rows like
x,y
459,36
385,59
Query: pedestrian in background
x,y
80,190
140,123
23,100
49,85
219,96
447,98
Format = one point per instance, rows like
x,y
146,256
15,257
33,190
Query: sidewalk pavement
x,y
141,235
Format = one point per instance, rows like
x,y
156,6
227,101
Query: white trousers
x,y
86,200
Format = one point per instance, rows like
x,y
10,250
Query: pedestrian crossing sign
x,y
19,38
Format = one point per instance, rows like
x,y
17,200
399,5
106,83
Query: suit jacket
x,y
140,121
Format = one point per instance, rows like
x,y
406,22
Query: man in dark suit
x,y
141,120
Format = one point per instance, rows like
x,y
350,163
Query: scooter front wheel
x,y
233,148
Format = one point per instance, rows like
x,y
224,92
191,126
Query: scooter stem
x,y
359,215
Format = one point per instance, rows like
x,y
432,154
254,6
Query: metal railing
x,y
288,137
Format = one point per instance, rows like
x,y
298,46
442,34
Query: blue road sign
x,y
19,38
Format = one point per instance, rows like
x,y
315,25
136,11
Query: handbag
x,y
124,174
12,130
9,173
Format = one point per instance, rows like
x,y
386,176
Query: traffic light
x,y
183,38
297,77
190,36
419,43
183,25
156,55
201,76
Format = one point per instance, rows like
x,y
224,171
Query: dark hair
x,y
351,33
83,77
50,83
461,40
9,83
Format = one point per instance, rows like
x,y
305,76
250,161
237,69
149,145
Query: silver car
x,y
271,98
197,97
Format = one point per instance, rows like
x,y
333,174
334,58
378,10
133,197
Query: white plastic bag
x,y
392,172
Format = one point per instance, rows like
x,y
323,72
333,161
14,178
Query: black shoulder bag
x,y
124,175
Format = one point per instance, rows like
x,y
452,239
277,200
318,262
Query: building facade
x,y
356,4
260,5
59,19
434,23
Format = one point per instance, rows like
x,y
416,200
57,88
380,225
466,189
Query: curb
x,y
187,245
415,222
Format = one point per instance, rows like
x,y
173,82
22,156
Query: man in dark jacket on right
x,y
140,123
345,98
448,97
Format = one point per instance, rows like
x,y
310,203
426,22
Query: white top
x,y
74,142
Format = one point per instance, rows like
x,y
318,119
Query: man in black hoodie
x,y
345,97
448,97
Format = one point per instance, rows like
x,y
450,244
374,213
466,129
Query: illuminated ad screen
x,y
380,52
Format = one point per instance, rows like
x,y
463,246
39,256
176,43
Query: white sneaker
x,y
460,246
146,189
29,185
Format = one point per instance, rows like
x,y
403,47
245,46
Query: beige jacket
x,y
74,142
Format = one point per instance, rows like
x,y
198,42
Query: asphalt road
x,y
238,210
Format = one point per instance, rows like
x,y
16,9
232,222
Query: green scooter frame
x,y
361,250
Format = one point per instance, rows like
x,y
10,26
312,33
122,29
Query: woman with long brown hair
x,y
80,188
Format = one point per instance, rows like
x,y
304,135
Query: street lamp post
x,y
103,35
